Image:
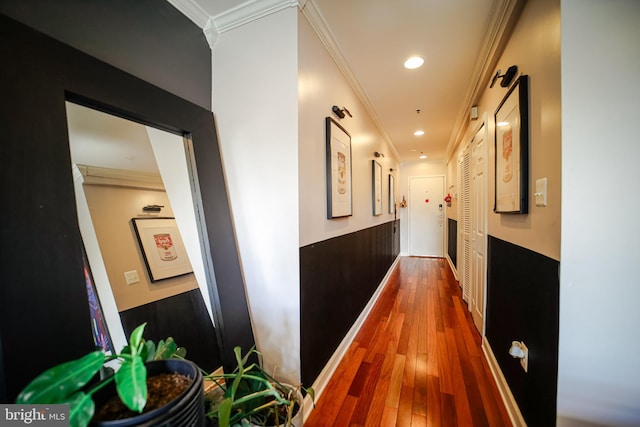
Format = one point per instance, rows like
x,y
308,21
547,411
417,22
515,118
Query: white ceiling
x,y
371,39
106,141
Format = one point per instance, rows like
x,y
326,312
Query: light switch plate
x,y
541,192
131,277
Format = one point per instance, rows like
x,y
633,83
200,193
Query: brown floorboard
x,y
416,361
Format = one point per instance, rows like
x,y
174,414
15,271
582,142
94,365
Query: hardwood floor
x,y
416,361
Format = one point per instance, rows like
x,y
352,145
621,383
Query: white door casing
x,y
426,216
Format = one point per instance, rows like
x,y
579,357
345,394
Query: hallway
x,y
416,361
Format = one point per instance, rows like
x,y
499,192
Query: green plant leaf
x,y
81,409
131,383
181,352
136,339
166,349
150,351
58,383
224,412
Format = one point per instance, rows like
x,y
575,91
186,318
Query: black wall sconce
x,y
340,112
378,154
507,77
152,208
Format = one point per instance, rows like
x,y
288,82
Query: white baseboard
x,y
453,267
505,392
327,372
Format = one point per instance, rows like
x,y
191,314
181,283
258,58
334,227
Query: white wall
x,y
599,368
255,103
170,155
407,170
321,85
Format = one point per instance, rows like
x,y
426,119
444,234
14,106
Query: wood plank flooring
x,y
416,361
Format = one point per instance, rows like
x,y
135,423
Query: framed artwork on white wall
x,y
392,195
376,173
512,150
338,170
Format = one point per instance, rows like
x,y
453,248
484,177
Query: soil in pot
x,y
161,388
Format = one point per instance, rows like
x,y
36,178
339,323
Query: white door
x,y
426,216
479,164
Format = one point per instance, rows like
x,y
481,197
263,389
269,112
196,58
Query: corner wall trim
x,y
505,392
329,369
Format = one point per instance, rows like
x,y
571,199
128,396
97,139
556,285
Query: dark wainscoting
x,y
452,241
523,305
183,317
337,278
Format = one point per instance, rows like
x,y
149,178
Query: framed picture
x,y
339,197
162,247
512,150
376,173
392,195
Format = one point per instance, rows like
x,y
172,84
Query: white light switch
x,y
131,277
541,192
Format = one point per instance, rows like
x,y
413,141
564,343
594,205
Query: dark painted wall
x,y
337,278
183,317
523,305
452,241
44,314
147,38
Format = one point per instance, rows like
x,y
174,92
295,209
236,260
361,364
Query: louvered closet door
x,y
464,168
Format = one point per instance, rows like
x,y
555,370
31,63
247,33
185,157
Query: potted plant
x,y
140,363
250,396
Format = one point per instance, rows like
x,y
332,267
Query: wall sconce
x,y
403,203
152,208
377,154
507,77
340,111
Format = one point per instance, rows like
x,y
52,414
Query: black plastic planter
x,y
186,410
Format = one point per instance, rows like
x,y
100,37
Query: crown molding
x,y
191,10
249,11
319,25
213,26
504,14
97,175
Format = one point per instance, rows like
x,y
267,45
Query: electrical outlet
x,y
525,360
131,277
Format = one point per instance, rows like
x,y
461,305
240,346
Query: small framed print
x,y
392,195
512,150
376,173
338,167
162,248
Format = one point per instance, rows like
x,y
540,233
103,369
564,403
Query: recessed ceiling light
x,y
422,155
419,133
413,62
